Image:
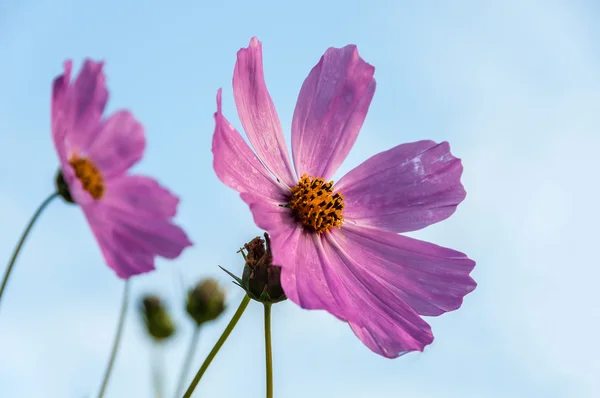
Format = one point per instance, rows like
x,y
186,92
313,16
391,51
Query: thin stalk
x,y
17,250
268,350
117,340
157,370
217,347
185,370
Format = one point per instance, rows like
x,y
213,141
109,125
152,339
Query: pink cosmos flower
x,y
130,215
338,244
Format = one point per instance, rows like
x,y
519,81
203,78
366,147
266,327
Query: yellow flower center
x,y
315,205
91,178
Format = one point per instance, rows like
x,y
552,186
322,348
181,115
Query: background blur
x,y
514,86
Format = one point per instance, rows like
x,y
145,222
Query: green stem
x,y
268,350
115,347
11,263
157,370
215,349
185,370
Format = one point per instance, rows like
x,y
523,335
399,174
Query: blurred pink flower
x,y
338,244
130,215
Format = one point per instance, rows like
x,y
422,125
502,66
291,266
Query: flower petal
x,y
132,224
309,281
405,188
119,144
114,144
60,115
299,254
122,255
430,279
331,108
269,215
378,281
143,195
77,108
385,323
257,112
89,100
237,166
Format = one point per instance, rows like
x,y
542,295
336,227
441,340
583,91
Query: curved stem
x,y
268,350
185,370
117,341
13,259
215,349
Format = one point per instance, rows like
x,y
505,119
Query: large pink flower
x,y
130,215
338,244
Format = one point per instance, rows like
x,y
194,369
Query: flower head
x,y
130,215
337,242
205,302
261,278
159,324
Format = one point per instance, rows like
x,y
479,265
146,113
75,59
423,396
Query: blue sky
x,y
513,86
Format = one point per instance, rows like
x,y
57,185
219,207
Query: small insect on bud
x,y
261,278
157,319
206,301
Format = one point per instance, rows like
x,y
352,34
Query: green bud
x,y
157,319
261,278
206,301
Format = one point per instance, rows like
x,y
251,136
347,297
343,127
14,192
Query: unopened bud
x,y
157,319
205,302
261,278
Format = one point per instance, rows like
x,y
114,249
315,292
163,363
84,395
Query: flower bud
x,y
157,319
261,278
205,302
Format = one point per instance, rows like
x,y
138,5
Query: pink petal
x,y
149,222
385,323
132,224
304,279
237,166
307,278
380,335
114,144
379,282
257,112
77,108
269,215
330,111
60,114
59,89
119,144
89,100
122,255
405,188
430,279
159,237
143,195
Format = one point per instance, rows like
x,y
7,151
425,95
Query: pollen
x,y
315,205
91,178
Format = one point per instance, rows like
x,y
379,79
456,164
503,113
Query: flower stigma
x,y
91,178
315,205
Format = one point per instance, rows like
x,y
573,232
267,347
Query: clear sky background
x,y
513,85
